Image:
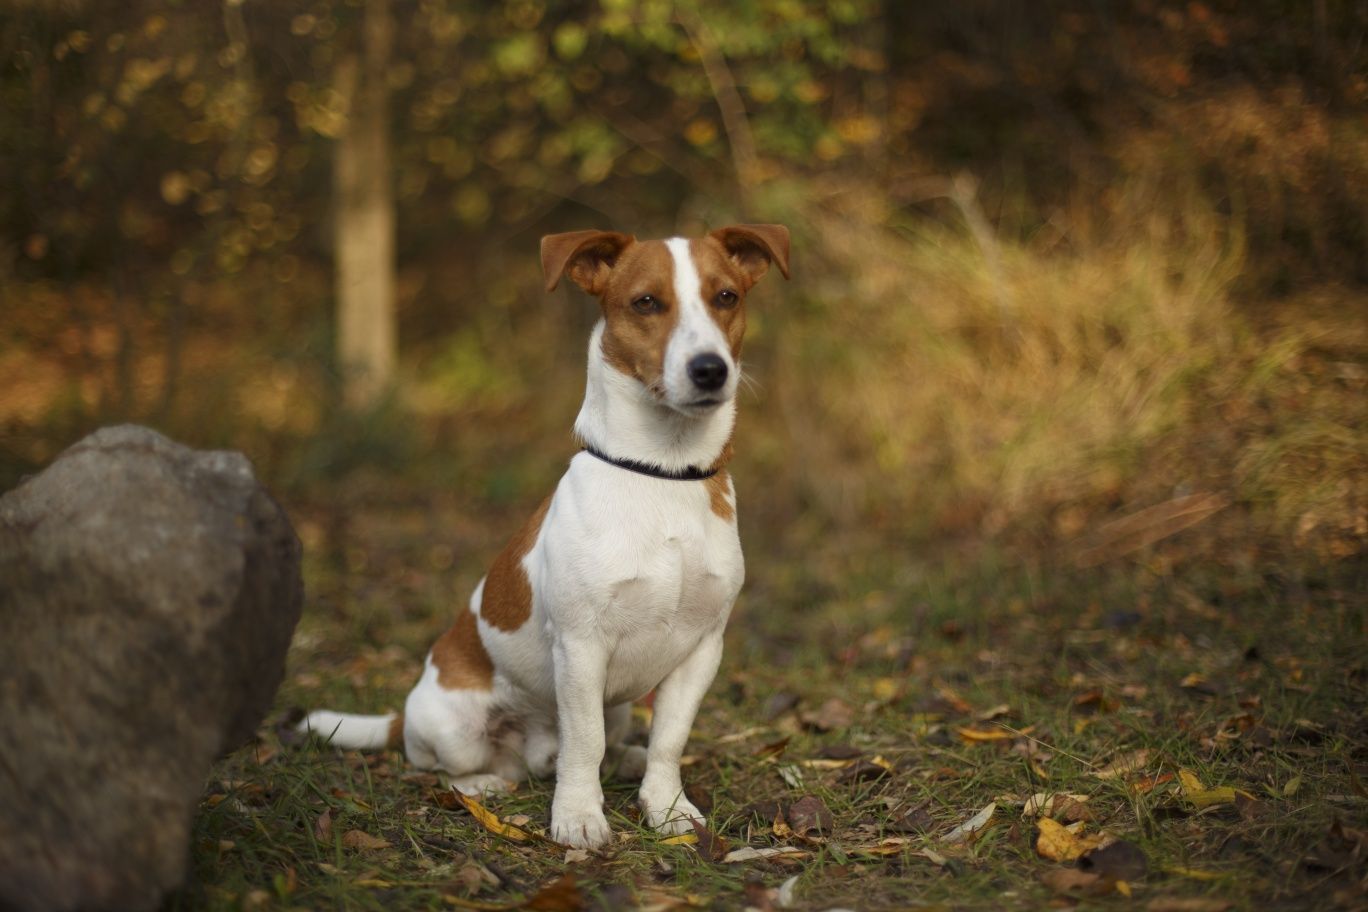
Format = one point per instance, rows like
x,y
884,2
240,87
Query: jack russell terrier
x,y
623,579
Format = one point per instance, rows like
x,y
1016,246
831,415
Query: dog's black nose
x,y
708,372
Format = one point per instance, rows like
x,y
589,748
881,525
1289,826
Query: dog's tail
x,y
355,732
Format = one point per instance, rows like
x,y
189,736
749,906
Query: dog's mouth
x,y
705,403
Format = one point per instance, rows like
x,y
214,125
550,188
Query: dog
x,y
623,579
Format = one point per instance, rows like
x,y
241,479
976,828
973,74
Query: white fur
x,y
633,579
697,333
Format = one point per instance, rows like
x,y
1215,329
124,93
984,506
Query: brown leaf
x,y
359,839
913,820
710,846
778,704
1120,860
840,752
1187,904
559,896
774,749
810,813
863,771
1070,880
323,826
833,714
1124,764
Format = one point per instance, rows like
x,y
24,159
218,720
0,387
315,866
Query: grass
x,y
1258,687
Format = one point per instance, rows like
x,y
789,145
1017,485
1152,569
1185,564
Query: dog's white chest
x,y
642,566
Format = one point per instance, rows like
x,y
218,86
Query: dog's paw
x,y
627,762
674,818
477,784
580,829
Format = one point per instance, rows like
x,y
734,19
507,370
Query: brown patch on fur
x,y
634,343
460,657
396,730
717,496
719,272
506,603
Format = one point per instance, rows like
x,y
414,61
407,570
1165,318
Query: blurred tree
x,y
364,223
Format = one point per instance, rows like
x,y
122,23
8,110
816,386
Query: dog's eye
x,y
725,298
647,304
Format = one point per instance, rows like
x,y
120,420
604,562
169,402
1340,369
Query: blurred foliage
x,y
1055,260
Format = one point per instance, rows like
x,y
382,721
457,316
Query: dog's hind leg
x,y
625,761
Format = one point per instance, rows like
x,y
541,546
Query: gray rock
x,y
148,593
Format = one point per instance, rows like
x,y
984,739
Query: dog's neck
x,y
621,419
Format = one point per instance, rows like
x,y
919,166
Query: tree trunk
x,y
364,228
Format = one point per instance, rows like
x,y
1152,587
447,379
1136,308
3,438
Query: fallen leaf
x,y
1119,860
840,752
558,896
359,839
1060,843
1187,904
1124,764
1146,784
792,775
865,771
971,828
778,704
1055,804
490,821
979,735
1070,880
1291,787
575,856
749,853
1192,873
681,839
710,846
913,820
1189,781
772,750
323,826
785,896
809,814
833,714
826,763
988,715
373,882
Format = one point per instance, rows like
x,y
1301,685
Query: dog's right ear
x,y
586,256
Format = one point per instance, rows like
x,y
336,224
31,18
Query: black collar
x,y
688,473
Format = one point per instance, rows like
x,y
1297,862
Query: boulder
x,y
148,593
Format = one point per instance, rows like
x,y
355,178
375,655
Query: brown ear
x,y
587,256
754,247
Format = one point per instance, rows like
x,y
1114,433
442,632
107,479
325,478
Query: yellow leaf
x,y
1223,795
373,882
1059,843
490,821
1291,787
1193,873
975,735
1189,781
885,689
1123,888
681,839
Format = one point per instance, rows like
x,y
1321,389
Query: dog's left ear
x,y
754,247
586,256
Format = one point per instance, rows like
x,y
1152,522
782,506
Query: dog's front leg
x,y
581,666
676,703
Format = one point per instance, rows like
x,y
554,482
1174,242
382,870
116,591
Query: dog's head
x,y
674,311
